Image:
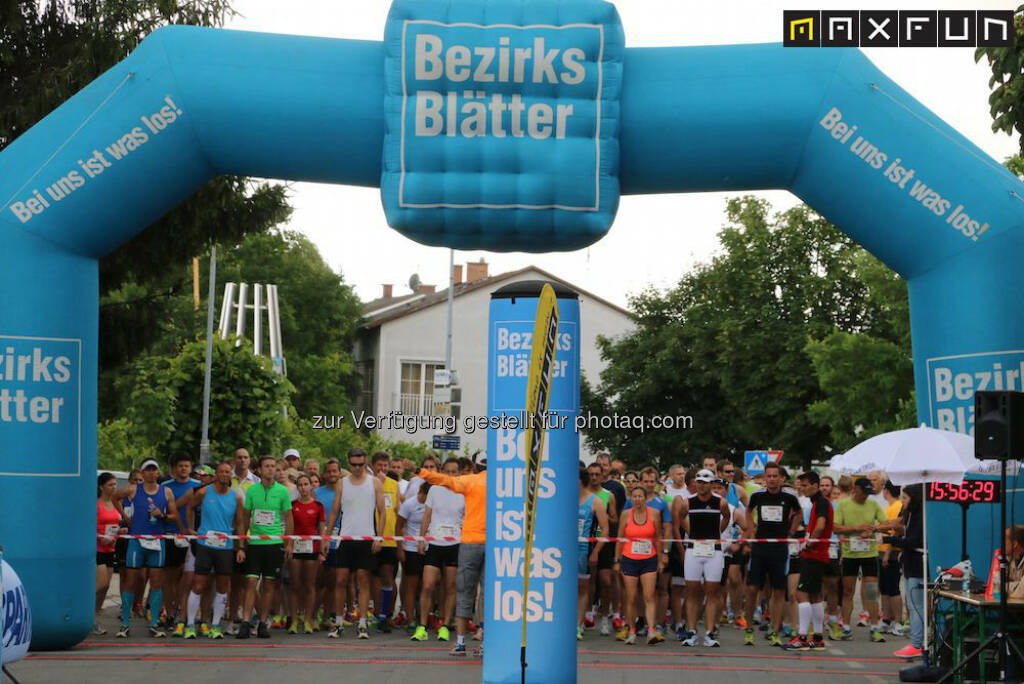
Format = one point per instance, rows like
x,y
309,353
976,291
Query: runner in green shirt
x,y
269,511
860,519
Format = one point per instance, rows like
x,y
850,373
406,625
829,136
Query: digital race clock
x,y
969,492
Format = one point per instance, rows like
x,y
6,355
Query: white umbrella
x,y
914,456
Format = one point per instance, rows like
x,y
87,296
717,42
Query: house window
x,y
365,399
416,392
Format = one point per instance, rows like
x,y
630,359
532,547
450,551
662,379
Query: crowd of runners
x,y
675,554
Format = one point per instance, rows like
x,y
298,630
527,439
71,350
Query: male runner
x,y
269,506
862,518
325,495
176,578
243,478
359,501
814,565
222,509
387,557
610,581
703,517
471,548
152,506
778,514
734,494
443,517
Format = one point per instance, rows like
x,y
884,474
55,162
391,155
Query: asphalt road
x,y
393,658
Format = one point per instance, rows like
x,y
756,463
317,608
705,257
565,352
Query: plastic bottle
x,y
966,583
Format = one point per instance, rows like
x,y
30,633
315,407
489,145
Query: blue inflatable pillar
x,y
551,604
48,409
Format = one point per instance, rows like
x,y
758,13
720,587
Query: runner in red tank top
x,y
640,560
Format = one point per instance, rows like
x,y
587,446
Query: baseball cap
x,y
291,452
865,484
149,463
205,470
705,475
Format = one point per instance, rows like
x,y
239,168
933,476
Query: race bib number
x,y
303,546
110,530
151,544
262,516
861,545
641,547
181,543
833,551
771,513
794,548
704,549
216,541
446,531
387,501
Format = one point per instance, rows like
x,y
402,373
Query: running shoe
x,y
588,621
336,632
617,623
774,639
190,632
724,619
262,631
362,632
817,643
876,637
243,630
862,619
896,629
278,622
400,619
908,651
307,627
156,632
835,632
421,634
660,629
797,643
787,631
681,632
622,634
97,630
714,632
710,641
232,629
179,630
383,625
204,629
642,632
478,652
655,638
443,634
294,627
579,633
757,616
216,633
691,639
458,651
124,632
606,627
631,639
846,635
471,626
748,638
478,635
740,622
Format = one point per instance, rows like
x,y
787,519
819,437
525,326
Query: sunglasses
x,y
358,465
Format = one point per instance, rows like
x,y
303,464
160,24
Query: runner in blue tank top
x,y
152,505
590,507
221,508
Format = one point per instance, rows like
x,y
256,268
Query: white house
x,y
402,342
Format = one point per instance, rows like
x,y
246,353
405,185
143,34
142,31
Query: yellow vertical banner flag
x,y
538,392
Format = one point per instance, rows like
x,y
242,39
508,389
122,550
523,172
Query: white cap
x,y
705,475
291,452
149,463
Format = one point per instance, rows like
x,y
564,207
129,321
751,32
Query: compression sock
x,y
386,595
818,617
460,640
127,600
156,600
804,610
220,602
193,607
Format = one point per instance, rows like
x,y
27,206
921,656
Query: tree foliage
x,y
1006,103
729,344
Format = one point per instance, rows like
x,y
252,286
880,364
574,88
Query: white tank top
x,y
358,506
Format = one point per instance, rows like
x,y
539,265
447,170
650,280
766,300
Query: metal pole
x,y
257,323
451,298
204,441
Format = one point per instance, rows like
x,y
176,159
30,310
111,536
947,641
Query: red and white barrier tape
x,y
338,537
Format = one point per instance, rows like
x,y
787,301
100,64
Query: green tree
x,y
319,316
1006,103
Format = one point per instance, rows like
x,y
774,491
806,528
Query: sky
x,y
347,223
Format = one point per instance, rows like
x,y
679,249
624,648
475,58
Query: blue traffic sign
x,y
446,442
754,461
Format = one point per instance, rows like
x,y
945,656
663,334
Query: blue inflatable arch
x,y
468,155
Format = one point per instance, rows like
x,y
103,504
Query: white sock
x,y
193,607
818,617
220,603
804,611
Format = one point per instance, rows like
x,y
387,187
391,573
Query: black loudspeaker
x,y
999,425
